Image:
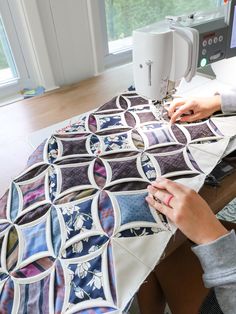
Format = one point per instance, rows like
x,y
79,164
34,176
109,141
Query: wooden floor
x,y
19,119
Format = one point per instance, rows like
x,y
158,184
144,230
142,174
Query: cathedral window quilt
x,y
76,234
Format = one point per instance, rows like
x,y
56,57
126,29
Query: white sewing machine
x,y
167,51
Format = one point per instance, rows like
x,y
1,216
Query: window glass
x,y
8,69
123,16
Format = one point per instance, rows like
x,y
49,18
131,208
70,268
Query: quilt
x,y
76,235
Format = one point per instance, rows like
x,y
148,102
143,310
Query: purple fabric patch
x,y
159,136
33,192
124,169
106,213
181,138
136,101
172,163
34,297
147,117
6,297
100,174
92,123
111,273
59,288
74,147
34,268
199,131
74,177
3,205
37,155
130,120
110,105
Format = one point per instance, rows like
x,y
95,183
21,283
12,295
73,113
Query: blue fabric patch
x,y
136,232
134,208
34,239
3,226
87,282
86,246
3,276
77,126
52,150
52,184
94,143
110,121
7,296
55,231
77,218
14,203
148,168
116,142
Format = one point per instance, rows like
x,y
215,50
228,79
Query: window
x,y
14,73
8,70
24,60
19,62
123,16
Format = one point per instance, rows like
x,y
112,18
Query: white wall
x,y
68,37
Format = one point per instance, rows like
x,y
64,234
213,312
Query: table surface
x,y
19,119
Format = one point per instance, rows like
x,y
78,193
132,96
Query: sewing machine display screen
x,y
233,36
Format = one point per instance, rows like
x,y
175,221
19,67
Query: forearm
x,y
218,260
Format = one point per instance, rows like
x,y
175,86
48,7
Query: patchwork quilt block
x,y
76,234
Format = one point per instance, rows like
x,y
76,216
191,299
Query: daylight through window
x,y
123,16
8,71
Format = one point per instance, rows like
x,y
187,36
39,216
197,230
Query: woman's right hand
x,y
193,108
186,209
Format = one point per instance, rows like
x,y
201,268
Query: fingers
x,y
181,110
175,104
170,186
161,195
162,208
191,118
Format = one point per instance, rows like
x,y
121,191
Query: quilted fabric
x,y
76,234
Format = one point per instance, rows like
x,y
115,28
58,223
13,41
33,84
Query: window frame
x,y
14,85
24,30
102,58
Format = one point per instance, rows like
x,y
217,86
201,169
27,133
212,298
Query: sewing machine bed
x,y
76,235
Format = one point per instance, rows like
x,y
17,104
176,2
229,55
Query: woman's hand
x,y
186,209
193,108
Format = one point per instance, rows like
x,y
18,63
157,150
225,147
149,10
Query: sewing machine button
x,y
210,42
204,43
215,40
221,38
215,57
204,51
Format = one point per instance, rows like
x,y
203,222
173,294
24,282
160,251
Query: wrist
x,y
213,236
216,103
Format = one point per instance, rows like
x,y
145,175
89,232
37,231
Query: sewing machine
x,y
167,51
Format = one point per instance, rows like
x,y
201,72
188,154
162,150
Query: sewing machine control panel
x,y
212,46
